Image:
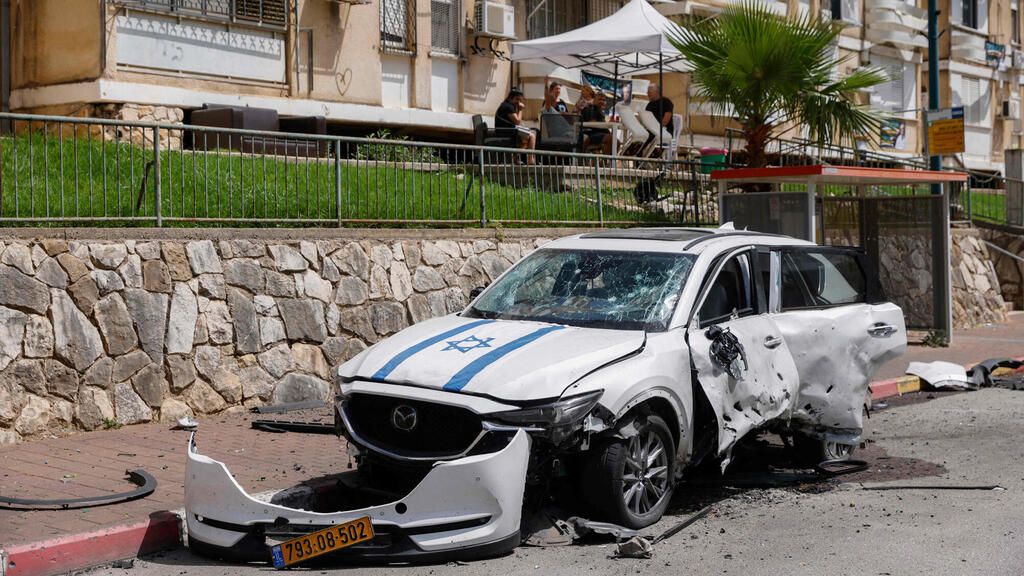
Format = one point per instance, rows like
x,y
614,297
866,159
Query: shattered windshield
x,y
591,288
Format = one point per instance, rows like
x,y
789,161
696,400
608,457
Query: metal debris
x,y
994,487
682,525
584,527
141,478
941,374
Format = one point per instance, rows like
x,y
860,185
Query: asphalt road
x,y
818,528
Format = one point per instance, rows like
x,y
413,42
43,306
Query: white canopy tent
x,y
631,41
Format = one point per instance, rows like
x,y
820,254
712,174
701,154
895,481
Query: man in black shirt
x,y
509,117
593,137
661,107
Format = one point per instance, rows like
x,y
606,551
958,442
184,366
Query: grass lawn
x,y
66,178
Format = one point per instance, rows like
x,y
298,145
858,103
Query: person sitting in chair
x,y
509,116
586,98
552,102
596,138
662,108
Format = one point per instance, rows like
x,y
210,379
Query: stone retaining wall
x,y
978,298
97,333
1009,271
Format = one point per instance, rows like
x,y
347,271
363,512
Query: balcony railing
x,y
273,13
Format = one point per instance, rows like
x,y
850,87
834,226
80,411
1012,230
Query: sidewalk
x,y
56,541
50,542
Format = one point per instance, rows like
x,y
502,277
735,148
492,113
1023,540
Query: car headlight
x,y
558,413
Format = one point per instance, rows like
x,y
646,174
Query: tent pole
x,y
615,88
661,91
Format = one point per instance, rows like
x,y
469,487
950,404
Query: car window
x,y
730,293
817,279
592,288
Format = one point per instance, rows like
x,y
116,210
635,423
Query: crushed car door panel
x,y
834,318
743,364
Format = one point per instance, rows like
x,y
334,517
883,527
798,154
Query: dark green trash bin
x,y
711,159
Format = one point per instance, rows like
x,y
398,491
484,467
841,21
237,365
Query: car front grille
x,y
440,431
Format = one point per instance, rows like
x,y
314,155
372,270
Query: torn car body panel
x,y
758,386
837,352
460,506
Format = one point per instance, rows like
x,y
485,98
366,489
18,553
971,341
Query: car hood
x,y
509,360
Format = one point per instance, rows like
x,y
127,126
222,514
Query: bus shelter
x,y
900,217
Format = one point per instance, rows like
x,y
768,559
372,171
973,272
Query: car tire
x,y
811,451
618,482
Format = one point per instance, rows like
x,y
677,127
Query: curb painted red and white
x,y
165,530
162,530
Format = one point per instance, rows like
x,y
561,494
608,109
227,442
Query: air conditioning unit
x,y
495,20
1010,110
1018,59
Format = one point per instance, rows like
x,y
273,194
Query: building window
x,y
1015,21
846,10
398,26
970,13
897,95
444,26
975,95
263,12
550,17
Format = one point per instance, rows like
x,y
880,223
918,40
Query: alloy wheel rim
x,y
645,477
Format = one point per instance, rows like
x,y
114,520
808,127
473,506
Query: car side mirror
x,y
476,292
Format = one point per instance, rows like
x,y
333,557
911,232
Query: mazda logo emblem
x,y
404,418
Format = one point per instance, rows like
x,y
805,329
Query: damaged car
x,y
597,371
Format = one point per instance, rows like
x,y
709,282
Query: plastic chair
x,y
672,151
654,127
636,134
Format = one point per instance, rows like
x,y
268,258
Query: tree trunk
x,y
757,139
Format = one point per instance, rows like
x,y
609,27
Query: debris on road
x,y
940,374
584,527
682,525
185,423
994,487
984,374
141,478
635,547
282,426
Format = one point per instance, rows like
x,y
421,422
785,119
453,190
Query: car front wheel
x,y
629,481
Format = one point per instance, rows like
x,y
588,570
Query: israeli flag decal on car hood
x,y
462,377
451,355
408,352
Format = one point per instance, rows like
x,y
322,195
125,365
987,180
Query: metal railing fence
x,y
95,171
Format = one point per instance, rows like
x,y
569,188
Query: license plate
x,y
322,542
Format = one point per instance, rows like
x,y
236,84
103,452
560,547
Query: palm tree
x,y
772,69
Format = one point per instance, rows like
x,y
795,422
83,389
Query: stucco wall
x,y
54,41
97,332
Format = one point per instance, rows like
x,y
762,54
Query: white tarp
x,y
633,37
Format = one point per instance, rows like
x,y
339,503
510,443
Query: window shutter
x,y
395,24
890,96
851,12
956,12
444,26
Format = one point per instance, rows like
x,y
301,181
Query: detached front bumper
x,y
465,508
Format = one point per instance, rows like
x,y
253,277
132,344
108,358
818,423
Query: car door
x,y
833,315
759,382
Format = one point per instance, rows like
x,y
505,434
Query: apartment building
x,y
412,65
425,67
